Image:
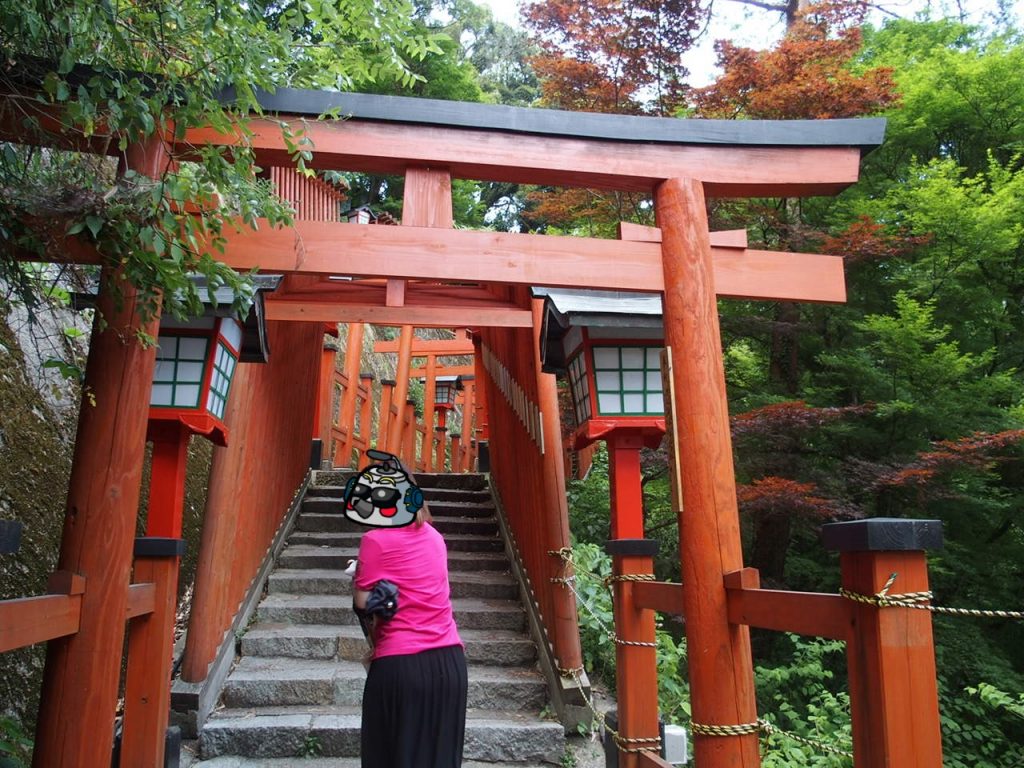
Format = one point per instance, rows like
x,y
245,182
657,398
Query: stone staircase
x,y
296,689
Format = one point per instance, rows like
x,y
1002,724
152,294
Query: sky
x,y
754,28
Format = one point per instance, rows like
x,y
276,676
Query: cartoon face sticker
x,y
382,495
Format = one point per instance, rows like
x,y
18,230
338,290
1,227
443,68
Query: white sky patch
x,y
754,28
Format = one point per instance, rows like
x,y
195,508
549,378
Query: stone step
x,y
329,500
290,732
496,585
456,542
445,495
325,641
335,522
465,481
233,761
470,613
258,681
339,557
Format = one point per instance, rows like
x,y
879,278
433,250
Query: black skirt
x,y
414,710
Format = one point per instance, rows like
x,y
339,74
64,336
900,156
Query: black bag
x,y
383,600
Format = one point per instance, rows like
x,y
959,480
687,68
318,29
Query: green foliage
x,y
311,747
803,695
132,72
597,621
15,745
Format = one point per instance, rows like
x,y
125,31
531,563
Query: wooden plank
x,y
727,170
395,293
664,596
422,317
141,599
29,620
805,613
522,259
436,347
443,370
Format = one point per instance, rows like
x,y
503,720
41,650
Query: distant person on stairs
x,y
414,700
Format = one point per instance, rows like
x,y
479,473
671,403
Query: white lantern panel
x,y
654,358
654,381
632,380
655,403
633,357
163,394
164,370
607,381
606,357
633,402
191,348
189,373
609,402
232,333
186,396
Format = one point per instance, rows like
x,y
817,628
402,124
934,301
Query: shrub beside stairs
x,y
296,689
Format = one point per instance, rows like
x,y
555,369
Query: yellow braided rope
x,y
919,600
763,726
609,580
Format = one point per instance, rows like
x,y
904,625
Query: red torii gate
x,y
426,273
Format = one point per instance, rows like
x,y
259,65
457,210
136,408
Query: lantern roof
x,y
255,348
619,314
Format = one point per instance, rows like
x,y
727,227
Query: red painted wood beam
x,y
805,613
422,317
725,170
520,259
436,347
443,370
312,247
663,596
30,620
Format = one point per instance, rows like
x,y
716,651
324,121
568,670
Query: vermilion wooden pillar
x,y
556,505
894,698
387,402
76,714
456,452
347,411
429,395
721,668
147,696
324,414
401,391
636,667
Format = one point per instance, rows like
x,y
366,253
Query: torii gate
x,y
426,273
407,347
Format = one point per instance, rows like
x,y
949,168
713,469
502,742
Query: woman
x,y
414,700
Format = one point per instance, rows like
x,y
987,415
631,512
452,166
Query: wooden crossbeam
x,y
521,259
316,247
436,347
727,170
424,317
444,370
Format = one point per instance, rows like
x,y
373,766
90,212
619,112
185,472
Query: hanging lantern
x,y
445,388
608,345
195,363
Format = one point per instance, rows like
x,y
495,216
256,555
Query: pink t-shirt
x,y
415,559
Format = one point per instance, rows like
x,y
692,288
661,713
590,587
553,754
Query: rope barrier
x,y
761,726
919,600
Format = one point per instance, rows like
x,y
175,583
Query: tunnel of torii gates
x,y
426,273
